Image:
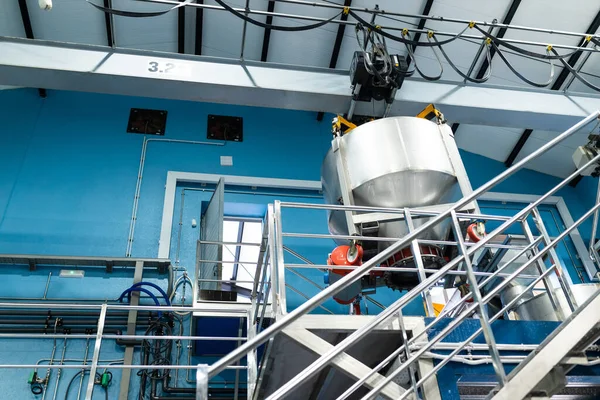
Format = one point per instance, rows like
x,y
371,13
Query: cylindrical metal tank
x,y
539,308
393,162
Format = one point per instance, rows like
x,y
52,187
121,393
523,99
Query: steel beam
x,y
199,21
517,149
426,11
345,363
267,38
108,22
126,72
181,29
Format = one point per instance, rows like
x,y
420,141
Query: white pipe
x,y
138,186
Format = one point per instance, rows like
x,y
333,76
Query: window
x,y
240,261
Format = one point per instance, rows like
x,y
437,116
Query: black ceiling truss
x,y
558,83
29,32
267,38
426,11
339,37
108,22
180,29
199,21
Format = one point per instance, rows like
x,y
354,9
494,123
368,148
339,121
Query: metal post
x,y
541,267
96,355
202,382
280,261
273,260
474,287
411,369
561,272
592,249
346,281
131,324
416,250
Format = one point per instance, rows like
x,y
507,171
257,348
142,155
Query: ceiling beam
x,y
339,37
86,68
108,22
512,10
555,86
25,18
267,38
199,21
426,11
29,33
517,148
181,29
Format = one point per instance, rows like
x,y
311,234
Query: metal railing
x,y
464,259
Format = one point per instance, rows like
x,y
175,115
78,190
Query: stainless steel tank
x,y
539,308
393,162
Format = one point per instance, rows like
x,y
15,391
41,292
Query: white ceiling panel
x,y
68,21
573,16
10,20
575,140
154,33
556,161
488,141
311,47
222,31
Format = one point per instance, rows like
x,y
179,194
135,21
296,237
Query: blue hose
x,y
140,289
155,286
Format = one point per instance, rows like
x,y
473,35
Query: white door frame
x,y
175,177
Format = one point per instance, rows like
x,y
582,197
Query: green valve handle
x,y
105,380
32,378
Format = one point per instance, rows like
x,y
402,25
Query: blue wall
x,y
68,173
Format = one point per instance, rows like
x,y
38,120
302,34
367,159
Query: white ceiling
x,y
77,21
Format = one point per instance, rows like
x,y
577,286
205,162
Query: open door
x,y
209,255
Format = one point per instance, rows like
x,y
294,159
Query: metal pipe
x,y
84,367
404,269
385,239
113,336
594,226
138,187
395,28
415,212
358,272
59,372
493,24
47,286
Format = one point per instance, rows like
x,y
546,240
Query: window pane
x,y
230,234
249,254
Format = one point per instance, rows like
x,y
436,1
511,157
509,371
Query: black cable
x,y
275,27
400,39
137,14
73,379
37,388
526,52
416,65
520,76
459,72
577,75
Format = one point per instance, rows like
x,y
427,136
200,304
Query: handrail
x,y
355,275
